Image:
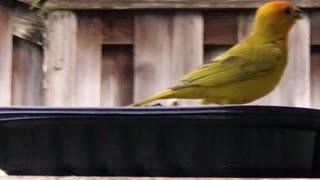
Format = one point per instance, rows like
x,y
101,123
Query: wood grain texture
x,y
88,65
164,4
167,46
117,76
315,76
27,24
295,86
244,24
220,27
187,46
60,59
117,27
152,48
187,42
6,56
315,27
27,74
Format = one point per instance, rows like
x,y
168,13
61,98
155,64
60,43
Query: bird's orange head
x,y
276,18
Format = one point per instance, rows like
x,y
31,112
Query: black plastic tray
x,y
229,141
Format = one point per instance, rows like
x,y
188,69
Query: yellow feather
x,y
247,71
162,95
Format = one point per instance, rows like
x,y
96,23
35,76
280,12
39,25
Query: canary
x,y
249,70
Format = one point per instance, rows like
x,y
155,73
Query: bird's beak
x,y
298,13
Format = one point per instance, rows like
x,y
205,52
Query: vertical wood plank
x,y
315,27
315,77
27,24
245,21
166,47
117,27
152,53
187,46
60,58
27,74
117,76
295,85
89,58
220,27
315,59
6,55
187,43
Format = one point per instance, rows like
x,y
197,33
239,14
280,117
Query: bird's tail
x,y
163,95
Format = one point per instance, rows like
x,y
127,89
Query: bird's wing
x,y
233,68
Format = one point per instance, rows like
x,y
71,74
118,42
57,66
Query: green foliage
x,y
38,4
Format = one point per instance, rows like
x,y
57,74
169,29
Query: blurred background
x,y
111,53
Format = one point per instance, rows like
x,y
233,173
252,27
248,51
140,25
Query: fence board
x,y
6,56
28,24
88,65
244,24
164,4
152,54
60,58
295,86
187,46
27,74
315,28
220,28
117,28
117,76
315,77
166,47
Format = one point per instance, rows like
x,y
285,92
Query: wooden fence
x,y
113,57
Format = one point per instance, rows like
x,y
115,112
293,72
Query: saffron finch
x,y
249,70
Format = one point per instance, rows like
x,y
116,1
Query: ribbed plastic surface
x,y
231,141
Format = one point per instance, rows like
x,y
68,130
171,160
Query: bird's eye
x,y
287,11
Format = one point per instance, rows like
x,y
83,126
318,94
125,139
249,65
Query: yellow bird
x,y
248,70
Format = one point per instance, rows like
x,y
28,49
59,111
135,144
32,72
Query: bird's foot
x,y
155,105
